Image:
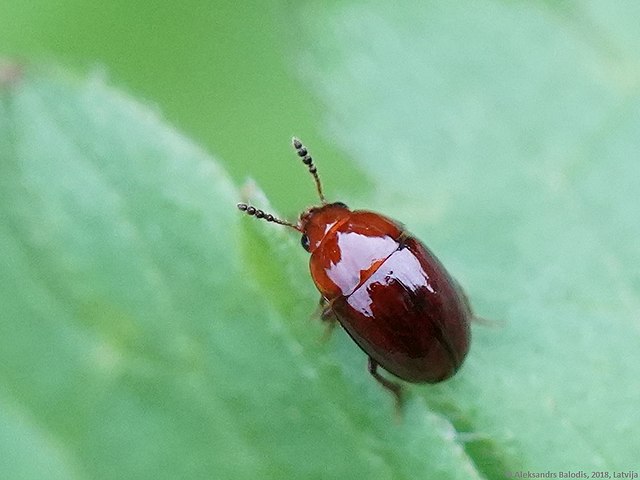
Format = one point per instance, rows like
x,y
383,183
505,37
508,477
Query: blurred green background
x,y
228,73
147,330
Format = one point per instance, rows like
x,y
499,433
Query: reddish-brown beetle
x,y
387,290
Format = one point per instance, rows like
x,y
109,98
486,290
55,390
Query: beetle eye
x,y
340,204
304,241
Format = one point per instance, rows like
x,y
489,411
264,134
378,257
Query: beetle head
x,y
316,222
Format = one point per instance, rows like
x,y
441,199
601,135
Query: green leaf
x,y
506,135
148,330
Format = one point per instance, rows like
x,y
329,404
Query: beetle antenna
x,y
255,212
303,153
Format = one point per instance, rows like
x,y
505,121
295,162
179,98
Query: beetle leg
x,y
393,387
327,316
326,312
488,322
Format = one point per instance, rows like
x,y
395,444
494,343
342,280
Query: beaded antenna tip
x,y
303,153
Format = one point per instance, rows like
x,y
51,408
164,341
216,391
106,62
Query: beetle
x,y
384,286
